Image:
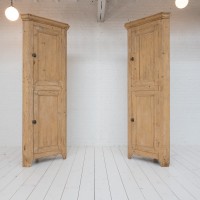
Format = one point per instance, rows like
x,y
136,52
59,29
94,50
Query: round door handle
x,y
132,59
132,120
34,55
34,121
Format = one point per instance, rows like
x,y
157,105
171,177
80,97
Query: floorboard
x,y
100,173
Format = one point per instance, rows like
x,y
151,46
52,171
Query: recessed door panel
x,y
145,121
46,131
47,45
144,127
147,64
47,66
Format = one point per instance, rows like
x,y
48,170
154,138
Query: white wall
x,y
97,69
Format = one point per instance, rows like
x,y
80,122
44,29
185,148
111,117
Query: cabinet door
x,y
144,90
49,92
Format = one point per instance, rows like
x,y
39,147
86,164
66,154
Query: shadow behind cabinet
x,y
44,88
149,88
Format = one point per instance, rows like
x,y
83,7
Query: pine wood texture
x,y
44,88
149,88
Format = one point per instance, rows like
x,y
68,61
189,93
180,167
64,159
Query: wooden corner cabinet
x,y
149,88
44,88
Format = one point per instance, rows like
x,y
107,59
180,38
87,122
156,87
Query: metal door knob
x,y
34,55
132,120
132,59
34,121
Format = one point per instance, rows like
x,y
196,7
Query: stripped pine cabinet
x,y
44,88
149,88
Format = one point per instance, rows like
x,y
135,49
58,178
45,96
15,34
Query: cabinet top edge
x,y
34,18
159,16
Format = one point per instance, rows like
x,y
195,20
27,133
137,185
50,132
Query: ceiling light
x,y
12,13
181,3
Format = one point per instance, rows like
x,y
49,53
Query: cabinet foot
x,y
27,163
130,155
155,160
164,163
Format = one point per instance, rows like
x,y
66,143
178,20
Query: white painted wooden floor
x,y
100,173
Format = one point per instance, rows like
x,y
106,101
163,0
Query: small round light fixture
x,y
181,3
12,13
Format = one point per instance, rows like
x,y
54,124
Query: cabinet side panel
x,y
27,94
64,93
164,156
130,148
